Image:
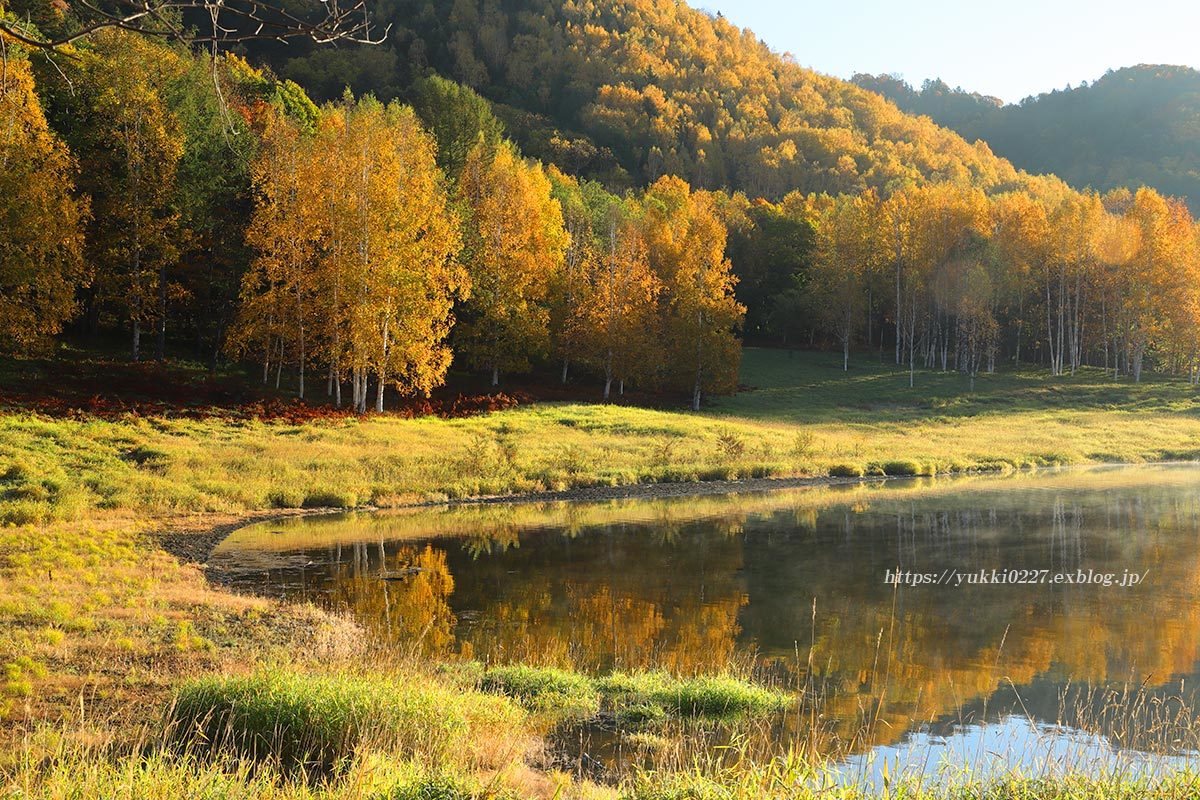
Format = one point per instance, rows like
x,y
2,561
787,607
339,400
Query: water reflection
x,y
792,585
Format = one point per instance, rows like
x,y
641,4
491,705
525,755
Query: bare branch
x,y
247,20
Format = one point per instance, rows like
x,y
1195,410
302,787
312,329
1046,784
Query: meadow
x,y
125,673
799,415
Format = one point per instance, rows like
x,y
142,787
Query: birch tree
x,y
286,232
390,251
685,240
513,243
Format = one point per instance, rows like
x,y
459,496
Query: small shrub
x,y
803,445
571,460
730,445
846,471
664,451
329,498
903,468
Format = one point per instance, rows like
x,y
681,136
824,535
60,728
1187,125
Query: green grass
x,y
321,723
565,695
164,776
788,779
804,416
160,775
632,699
708,696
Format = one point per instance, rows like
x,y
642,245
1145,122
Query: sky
x,y
1007,49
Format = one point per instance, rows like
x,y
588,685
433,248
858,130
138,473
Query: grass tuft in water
x,y
711,697
565,695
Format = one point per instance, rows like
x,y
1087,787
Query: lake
x,y
1032,622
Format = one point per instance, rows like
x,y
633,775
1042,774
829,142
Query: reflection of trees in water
x,y
884,657
410,611
621,596
692,595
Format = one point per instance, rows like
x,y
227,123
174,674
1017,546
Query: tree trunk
x,y
566,364
495,376
898,312
137,340
608,378
160,346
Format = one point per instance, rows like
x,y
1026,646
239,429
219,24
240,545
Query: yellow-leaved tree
x,y
685,242
513,243
620,304
851,247
40,222
390,275
279,314
355,267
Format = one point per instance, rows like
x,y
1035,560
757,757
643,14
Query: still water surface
x,y
794,585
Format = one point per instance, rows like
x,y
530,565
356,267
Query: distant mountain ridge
x,y
1133,126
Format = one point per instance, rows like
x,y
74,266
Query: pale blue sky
x,y
1006,49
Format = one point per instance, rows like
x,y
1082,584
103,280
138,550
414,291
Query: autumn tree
x,y
111,101
389,276
355,247
41,222
620,307
851,247
1020,236
513,243
286,232
685,240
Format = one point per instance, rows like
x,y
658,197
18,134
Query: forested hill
x,y
1138,126
628,90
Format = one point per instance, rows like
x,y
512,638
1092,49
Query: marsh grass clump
x,y
657,694
632,700
80,772
329,498
319,723
564,695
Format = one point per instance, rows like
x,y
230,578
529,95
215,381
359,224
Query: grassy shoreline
x,y
104,613
804,420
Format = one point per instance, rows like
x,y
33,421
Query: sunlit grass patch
x,y
320,723
87,773
630,699
712,697
565,695
809,418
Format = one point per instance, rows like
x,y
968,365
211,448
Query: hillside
x,y
1137,126
630,90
